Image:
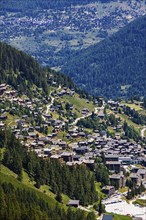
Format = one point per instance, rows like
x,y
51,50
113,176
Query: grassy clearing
x,y
2,150
111,130
141,202
89,130
98,189
142,112
121,217
7,171
124,189
26,180
55,115
46,189
78,103
62,135
10,177
11,119
129,122
125,199
133,106
50,128
65,199
108,111
44,192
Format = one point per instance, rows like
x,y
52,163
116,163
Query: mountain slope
x,y
116,66
30,203
24,73
18,68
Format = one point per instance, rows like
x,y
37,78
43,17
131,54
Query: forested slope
x,y
25,74
116,66
18,68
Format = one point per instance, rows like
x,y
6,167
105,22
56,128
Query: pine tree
x,y
91,216
58,197
100,208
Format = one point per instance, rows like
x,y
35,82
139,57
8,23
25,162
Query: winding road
x,y
96,110
85,116
50,104
142,132
82,117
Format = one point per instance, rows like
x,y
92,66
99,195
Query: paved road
x,y
82,117
142,132
50,104
96,110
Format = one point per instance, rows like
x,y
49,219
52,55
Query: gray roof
x,y
74,202
107,217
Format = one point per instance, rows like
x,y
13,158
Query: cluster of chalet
x,y
81,19
81,148
5,90
66,91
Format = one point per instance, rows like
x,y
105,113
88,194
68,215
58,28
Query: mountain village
x,y
69,143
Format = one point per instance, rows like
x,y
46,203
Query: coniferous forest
x,y
21,203
114,67
23,73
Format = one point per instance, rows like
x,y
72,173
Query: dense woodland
x,y
116,66
17,68
23,203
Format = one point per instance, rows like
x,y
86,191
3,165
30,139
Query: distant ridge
x,y
115,67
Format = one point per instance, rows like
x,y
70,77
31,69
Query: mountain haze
x,y
22,5
116,66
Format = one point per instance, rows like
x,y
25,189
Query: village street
x,y
50,104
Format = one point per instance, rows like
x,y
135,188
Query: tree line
x,y
135,116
